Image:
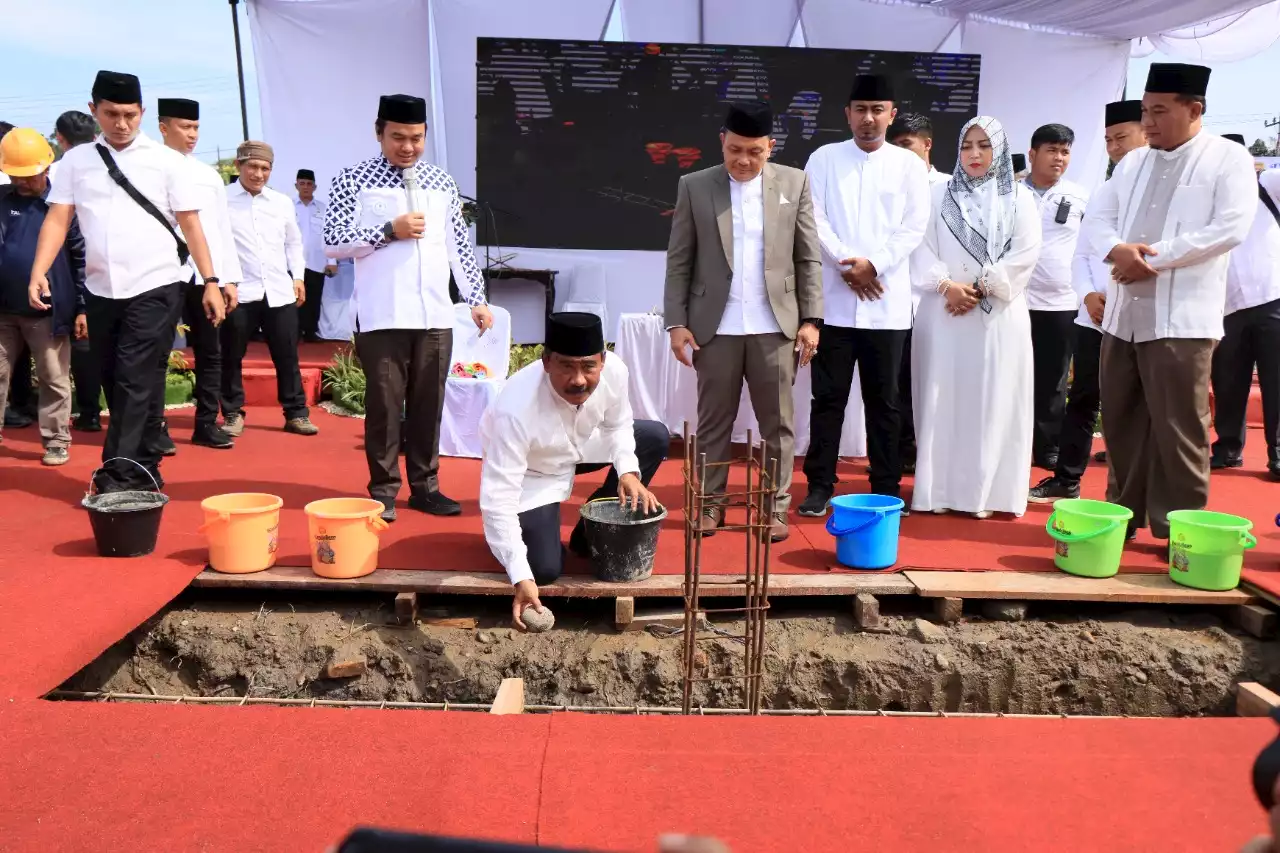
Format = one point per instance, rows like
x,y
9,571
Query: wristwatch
x,y
389,230
213,279
812,321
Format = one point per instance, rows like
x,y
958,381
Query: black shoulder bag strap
x,y
1271,205
145,203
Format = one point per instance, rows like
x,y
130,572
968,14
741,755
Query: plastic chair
x,y
587,289
466,399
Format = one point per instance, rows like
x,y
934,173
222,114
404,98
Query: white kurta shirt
x,y
401,284
127,252
268,243
873,206
215,223
1211,209
1051,287
533,440
311,224
748,311
1253,273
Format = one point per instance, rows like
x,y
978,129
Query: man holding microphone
x,y
401,220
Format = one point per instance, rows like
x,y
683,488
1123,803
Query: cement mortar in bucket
x,y
623,541
125,523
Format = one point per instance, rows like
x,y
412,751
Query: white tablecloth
x,y
664,390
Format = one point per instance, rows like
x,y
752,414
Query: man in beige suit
x,y
744,293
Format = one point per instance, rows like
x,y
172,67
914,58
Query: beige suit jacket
x,y
700,253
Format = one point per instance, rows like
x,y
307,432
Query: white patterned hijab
x,y
980,211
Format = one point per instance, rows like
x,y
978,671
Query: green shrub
x,y
344,380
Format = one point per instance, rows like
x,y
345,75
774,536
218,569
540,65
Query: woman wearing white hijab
x,y
971,351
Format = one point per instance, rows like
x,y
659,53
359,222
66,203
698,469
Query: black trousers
x,y
878,355
280,329
1251,336
156,415
309,314
130,340
87,378
907,442
22,388
405,373
1051,340
540,526
206,340
1083,403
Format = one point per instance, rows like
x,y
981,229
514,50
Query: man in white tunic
x,y
180,129
1166,222
269,246
914,132
135,265
1089,276
1051,298
401,219
310,215
565,415
871,204
1251,333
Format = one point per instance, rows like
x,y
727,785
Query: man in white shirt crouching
x,y
269,246
567,414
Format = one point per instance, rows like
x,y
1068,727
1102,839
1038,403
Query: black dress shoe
x,y
87,423
1274,469
1218,461
212,436
435,503
1100,456
164,444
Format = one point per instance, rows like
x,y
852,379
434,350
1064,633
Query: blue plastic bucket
x,y
866,530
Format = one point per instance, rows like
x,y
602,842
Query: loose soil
x,y
1099,660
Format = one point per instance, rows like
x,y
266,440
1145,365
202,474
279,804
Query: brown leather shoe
x,y
711,521
779,531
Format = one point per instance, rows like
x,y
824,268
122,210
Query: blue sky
x,y
184,48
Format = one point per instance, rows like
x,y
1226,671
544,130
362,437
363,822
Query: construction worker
x,y
44,325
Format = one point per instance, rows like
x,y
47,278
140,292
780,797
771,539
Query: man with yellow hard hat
x,y
46,325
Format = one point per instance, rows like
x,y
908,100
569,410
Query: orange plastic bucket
x,y
243,530
344,536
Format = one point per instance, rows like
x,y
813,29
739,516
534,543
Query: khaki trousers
x,y
52,356
1155,416
767,362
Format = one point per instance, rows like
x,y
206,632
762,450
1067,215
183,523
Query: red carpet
x,y
113,777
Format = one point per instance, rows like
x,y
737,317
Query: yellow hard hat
x,y
24,152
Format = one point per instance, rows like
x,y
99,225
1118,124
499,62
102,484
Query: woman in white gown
x,y
971,348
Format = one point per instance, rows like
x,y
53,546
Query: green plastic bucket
x,y
1089,536
1206,549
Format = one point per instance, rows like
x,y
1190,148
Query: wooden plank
x,y
624,610
866,611
1261,593
465,623
667,618
510,698
1059,586
948,610
1254,700
492,583
1257,621
406,607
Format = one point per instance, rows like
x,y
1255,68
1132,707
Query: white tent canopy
x,y
322,64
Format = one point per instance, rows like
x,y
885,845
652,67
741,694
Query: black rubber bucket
x,y
125,524
623,542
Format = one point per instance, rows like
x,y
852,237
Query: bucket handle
x,y
93,488
376,524
221,518
876,515
1248,540
1064,536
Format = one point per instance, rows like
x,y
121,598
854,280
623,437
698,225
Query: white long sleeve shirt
x,y
532,441
748,311
873,206
1253,273
401,284
1212,196
127,252
215,224
311,224
1051,287
268,243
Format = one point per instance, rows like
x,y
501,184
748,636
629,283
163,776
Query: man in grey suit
x,y
744,293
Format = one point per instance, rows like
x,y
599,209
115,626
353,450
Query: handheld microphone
x,y
410,176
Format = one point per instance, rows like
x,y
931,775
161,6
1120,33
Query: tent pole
x,y
702,22
244,109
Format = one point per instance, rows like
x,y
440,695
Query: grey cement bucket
x,y
125,524
623,542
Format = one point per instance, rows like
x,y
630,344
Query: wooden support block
x,y
406,607
948,610
670,618
510,698
1254,700
624,610
866,611
351,668
466,623
1255,620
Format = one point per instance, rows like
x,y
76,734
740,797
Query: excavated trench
x,y
1090,660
